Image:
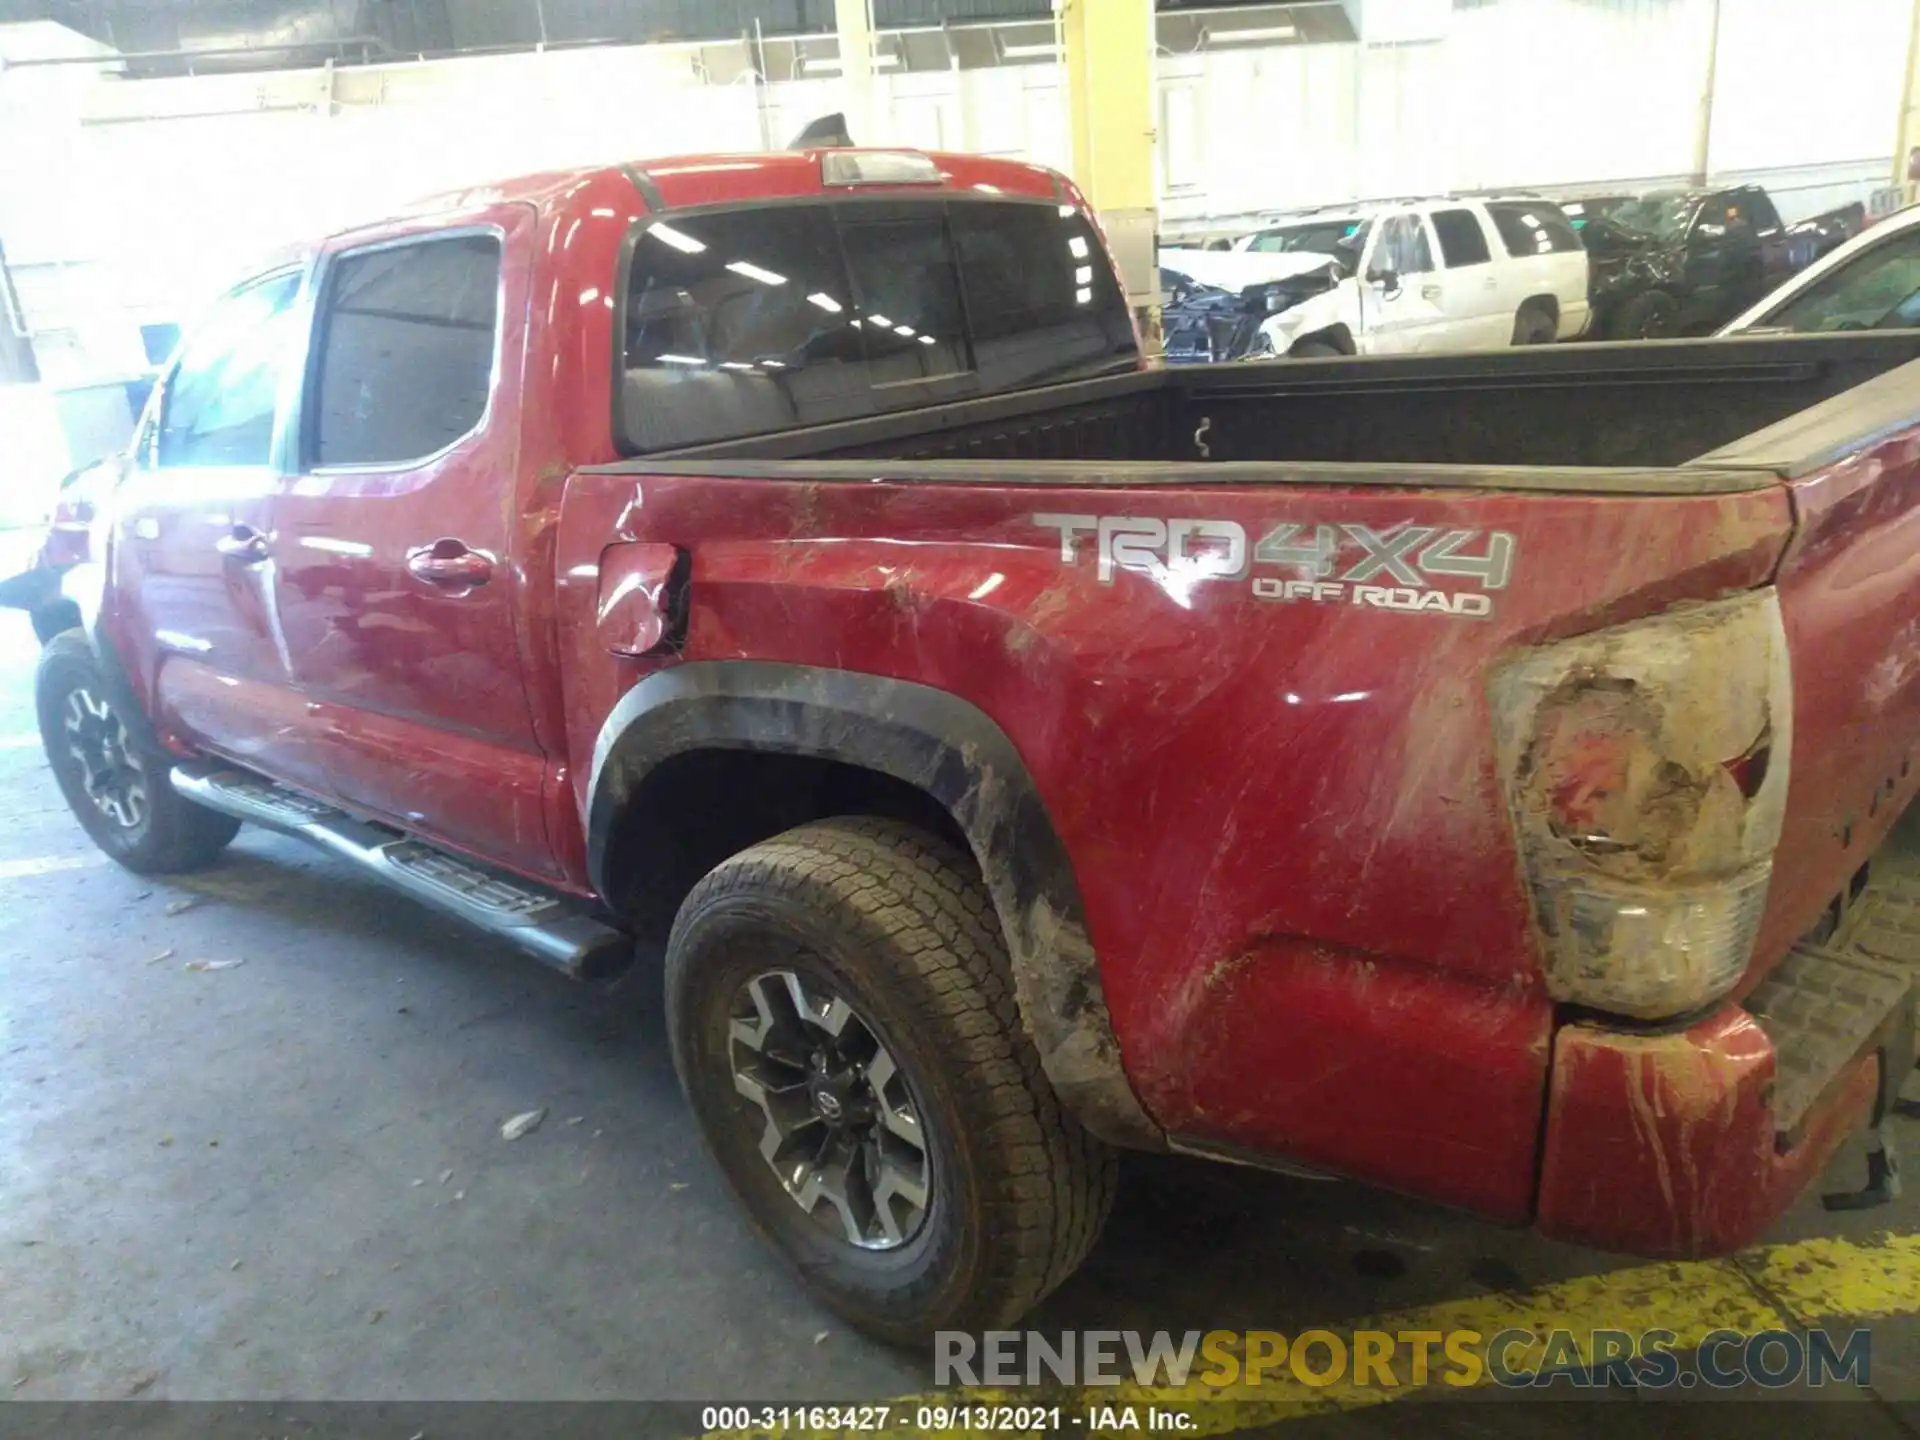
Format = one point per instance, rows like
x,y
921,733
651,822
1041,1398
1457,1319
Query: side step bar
x,y
554,930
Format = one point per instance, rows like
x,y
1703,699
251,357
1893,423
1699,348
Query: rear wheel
x,y
1534,326
1315,349
844,1026
114,781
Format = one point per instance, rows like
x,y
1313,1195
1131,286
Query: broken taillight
x,y
1646,773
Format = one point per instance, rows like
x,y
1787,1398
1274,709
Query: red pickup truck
x,y
1456,773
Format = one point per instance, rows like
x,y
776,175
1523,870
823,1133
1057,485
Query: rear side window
x,y
404,361
1462,242
1532,227
219,403
742,322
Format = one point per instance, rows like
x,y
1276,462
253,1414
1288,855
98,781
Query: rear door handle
x,y
1429,292
244,544
451,564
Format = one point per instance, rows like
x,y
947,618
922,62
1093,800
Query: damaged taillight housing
x,y
1646,768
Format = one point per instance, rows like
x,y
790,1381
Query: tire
x,y
55,619
1534,326
1315,350
122,799
896,926
1650,315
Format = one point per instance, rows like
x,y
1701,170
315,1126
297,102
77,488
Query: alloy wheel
x,y
112,775
836,1120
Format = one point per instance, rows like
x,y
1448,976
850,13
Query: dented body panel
x,y
1847,594
1665,1144
1284,817
1248,748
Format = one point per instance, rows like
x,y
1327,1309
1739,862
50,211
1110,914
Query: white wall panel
x,y
172,182
1557,91
1799,83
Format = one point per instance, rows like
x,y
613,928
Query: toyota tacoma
x,y
779,578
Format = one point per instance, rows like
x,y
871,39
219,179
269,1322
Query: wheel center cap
x,y
832,1094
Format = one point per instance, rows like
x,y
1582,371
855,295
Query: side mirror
x,y
1387,279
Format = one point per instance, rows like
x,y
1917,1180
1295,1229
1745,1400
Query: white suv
x,y
1468,274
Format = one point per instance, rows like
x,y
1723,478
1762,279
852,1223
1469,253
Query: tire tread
x,y
179,835
1054,1182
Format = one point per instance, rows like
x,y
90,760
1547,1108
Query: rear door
x,y
398,582
1401,293
1545,259
194,567
1478,317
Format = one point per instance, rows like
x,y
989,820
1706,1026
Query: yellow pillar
x,y
1907,138
1107,56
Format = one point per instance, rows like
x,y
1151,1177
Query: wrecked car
x,y
1451,274
1683,262
1214,302
779,587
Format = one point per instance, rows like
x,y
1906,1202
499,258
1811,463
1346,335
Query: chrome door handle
x,y
450,564
244,544
1429,292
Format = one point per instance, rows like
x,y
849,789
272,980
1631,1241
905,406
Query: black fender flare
x,y
121,695
955,753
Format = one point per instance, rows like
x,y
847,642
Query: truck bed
x,y
1629,408
1282,785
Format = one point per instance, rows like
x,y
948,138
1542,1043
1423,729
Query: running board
x,y
554,930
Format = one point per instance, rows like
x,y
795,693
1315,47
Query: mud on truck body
x,y
1458,774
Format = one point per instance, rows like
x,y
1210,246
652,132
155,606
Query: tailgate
x,y
1849,588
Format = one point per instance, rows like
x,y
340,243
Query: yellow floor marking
x,y
47,865
1820,1278
1775,1287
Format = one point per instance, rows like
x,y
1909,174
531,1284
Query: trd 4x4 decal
x,y
1400,568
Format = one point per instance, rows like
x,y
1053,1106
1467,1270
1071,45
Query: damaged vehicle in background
x,y
1217,314
1683,262
45,567
1467,274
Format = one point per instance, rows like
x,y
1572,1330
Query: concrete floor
x,y
285,1179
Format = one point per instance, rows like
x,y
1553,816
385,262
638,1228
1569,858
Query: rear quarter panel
x,y
1283,815
1849,588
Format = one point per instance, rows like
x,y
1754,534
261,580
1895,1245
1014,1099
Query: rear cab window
x,y
1532,227
739,321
